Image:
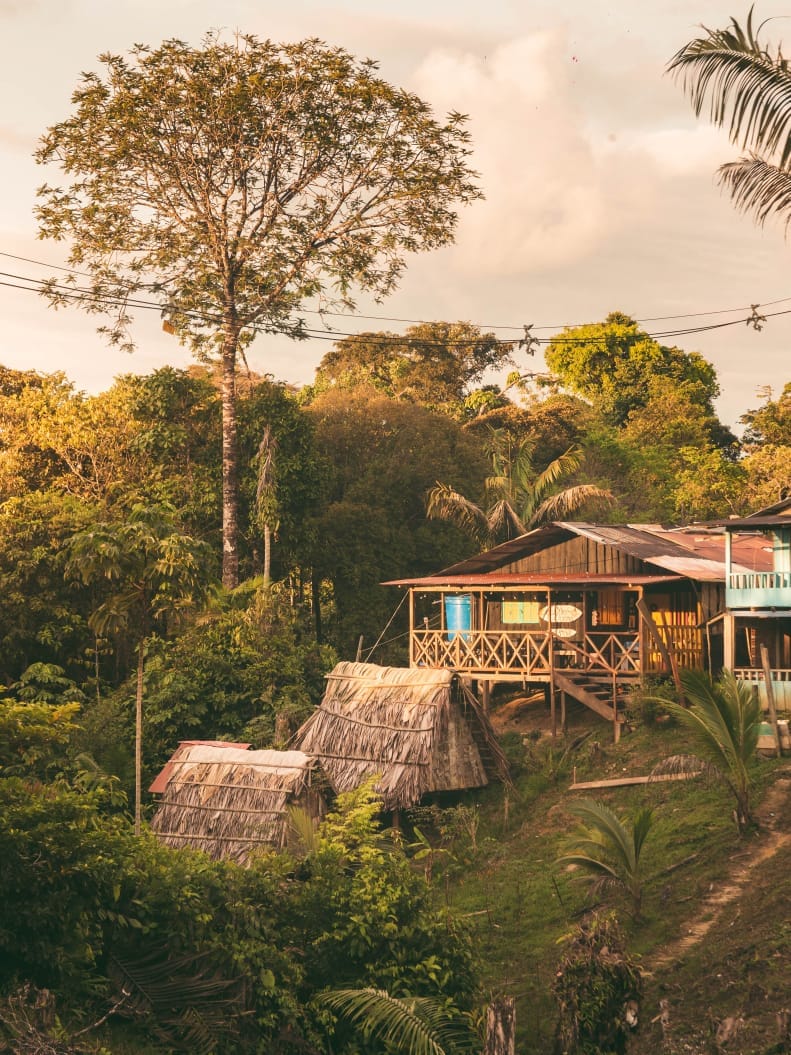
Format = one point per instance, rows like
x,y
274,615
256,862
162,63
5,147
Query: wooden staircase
x,y
596,694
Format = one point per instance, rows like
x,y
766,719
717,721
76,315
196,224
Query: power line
x,y
76,293
419,322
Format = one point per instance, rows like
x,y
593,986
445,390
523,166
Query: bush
x,y
597,987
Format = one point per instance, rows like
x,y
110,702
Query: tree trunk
x,y
315,593
139,737
267,556
500,1027
230,466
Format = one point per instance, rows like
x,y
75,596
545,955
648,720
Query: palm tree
x,y
724,719
748,88
518,497
608,850
155,573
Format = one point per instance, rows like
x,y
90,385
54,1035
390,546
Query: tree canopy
x,y
432,363
231,182
614,363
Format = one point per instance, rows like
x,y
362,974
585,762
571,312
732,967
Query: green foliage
x,y
723,719
414,1026
614,364
33,735
383,456
369,916
770,423
748,89
43,617
433,364
517,495
607,850
597,988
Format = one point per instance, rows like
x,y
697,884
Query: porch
x,y
529,635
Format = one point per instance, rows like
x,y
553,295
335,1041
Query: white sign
x,y
564,631
561,613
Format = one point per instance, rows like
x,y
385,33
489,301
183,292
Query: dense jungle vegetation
x,y
110,565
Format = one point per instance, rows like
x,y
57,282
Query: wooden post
x,y
770,696
412,648
359,655
500,1027
486,693
658,640
563,712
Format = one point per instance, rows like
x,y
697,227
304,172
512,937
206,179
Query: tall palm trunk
x,y
230,464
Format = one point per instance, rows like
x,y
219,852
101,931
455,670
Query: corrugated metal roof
x,y
696,552
515,579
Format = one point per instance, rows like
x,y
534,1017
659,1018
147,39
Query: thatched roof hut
x,y
419,730
228,801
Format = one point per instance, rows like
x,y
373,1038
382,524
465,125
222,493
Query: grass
x,y
520,904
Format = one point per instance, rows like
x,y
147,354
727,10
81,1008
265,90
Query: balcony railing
x,y
758,589
529,653
781,685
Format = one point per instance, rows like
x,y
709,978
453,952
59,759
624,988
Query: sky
x,y
600,185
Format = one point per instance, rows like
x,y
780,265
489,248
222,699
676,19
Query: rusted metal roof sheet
x,y
515,579
695,552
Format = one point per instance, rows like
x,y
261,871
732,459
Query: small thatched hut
x,y
228,801
419,730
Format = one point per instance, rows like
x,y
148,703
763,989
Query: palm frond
x,y
558,506
414,1025
748,88
601,824
759,188
504,522
564,465
444,503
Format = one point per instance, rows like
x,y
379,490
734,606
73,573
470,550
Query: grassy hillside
x,y
498,869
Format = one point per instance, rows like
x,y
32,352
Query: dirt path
x,y
774,835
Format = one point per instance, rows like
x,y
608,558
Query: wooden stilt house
x,y
583,609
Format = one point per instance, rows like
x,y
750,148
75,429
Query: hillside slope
x,y
715,941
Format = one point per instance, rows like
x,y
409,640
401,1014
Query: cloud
x,y
544,203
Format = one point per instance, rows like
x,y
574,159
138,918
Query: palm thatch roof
x,y
418,730
228,801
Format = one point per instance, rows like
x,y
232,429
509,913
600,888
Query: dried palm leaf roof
x,y
416,729
228,801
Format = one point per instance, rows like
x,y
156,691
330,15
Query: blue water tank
x,y
458,615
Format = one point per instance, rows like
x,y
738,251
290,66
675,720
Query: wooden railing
x,y
483,651
531,652
527,652
781,685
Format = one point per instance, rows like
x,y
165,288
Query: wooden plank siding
x,y
575,556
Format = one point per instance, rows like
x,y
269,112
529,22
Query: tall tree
x,y
154,573
431,363
614,363
747,85
234,181
518,496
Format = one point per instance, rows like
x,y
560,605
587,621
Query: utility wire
x,y
391,318
82,294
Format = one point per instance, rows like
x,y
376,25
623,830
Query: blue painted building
x,y
758,600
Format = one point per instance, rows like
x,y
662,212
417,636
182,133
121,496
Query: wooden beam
x,y
770,696
626,782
